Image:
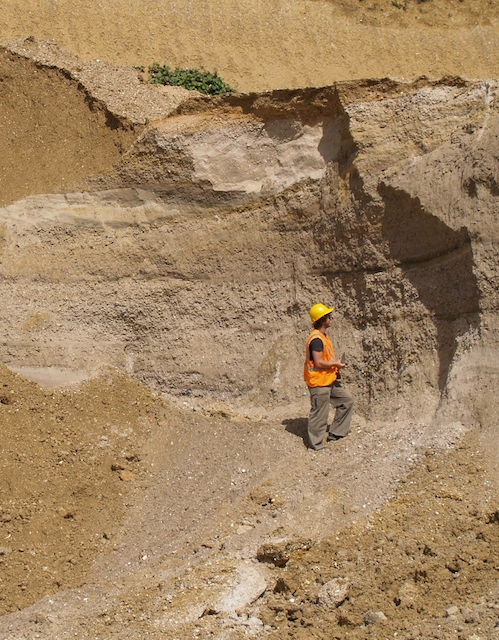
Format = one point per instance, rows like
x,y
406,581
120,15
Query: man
x,y
322,373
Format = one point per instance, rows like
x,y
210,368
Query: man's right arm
x,y
320,363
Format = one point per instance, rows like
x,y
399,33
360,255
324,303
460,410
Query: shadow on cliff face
x,y
438,263
404,280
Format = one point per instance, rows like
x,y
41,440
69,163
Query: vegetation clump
x,y
192,79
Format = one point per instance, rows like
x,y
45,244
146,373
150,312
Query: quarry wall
x,y
191,260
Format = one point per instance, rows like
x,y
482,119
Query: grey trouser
x,y
320,399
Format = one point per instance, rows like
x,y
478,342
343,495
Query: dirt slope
x,y
158,515
61,498
258,46
63,121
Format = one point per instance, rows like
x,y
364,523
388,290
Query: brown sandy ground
x,y
66,459
428,561
140,506
258,46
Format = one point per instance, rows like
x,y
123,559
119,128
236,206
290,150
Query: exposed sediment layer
x,y
232,214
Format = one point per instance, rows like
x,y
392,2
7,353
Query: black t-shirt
x,y
316,345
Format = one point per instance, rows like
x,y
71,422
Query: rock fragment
x,y
372,617
333,593
279,551
247,584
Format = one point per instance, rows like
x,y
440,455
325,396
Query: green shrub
x,y
192,79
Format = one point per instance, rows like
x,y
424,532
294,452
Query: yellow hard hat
x,y
318,311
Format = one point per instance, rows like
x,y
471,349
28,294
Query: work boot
x,y
321,447
331,437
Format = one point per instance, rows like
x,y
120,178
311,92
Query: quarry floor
x,y
126,508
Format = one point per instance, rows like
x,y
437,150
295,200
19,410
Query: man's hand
x,y
320,363
337,364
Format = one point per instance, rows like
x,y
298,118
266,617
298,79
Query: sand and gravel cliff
x,y
159,251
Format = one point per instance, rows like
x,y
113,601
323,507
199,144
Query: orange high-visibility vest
x,y
319,377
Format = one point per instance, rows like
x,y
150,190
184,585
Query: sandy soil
x,y
124,513
256,46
